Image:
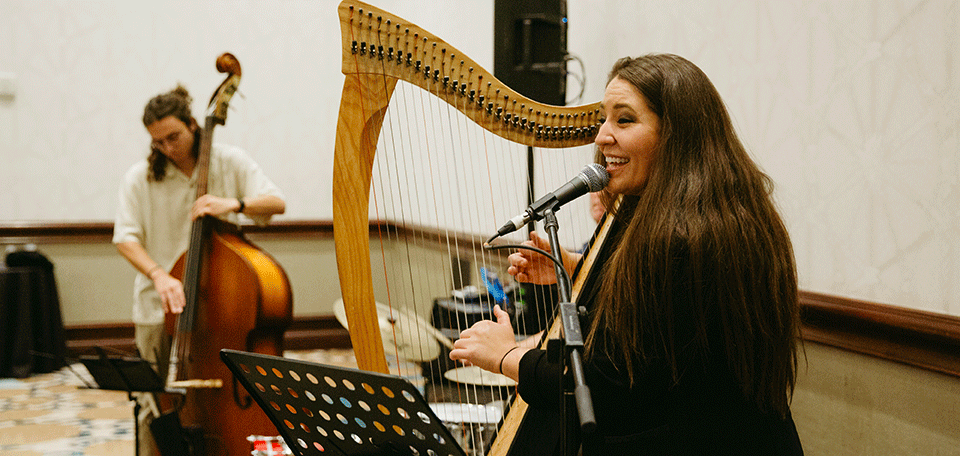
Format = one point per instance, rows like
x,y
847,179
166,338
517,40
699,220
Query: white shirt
x,y
157,214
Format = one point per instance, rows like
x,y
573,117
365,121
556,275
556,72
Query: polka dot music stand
x,y
328,410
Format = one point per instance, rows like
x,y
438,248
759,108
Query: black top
x,y
703,412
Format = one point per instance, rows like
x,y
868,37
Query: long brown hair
x,y
173,103
704,267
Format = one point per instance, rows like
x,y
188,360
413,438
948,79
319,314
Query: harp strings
x,y
441,180
428,173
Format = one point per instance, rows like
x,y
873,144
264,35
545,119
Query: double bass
x,y
237,297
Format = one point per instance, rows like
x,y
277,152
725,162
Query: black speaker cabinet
x,y
530,42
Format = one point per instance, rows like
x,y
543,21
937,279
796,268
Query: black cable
x,y
563,270
582,78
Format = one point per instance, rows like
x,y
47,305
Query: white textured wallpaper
x,y
853,107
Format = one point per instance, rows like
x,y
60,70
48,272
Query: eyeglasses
x,y
163,143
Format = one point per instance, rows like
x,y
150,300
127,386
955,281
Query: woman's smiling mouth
x,y
616,161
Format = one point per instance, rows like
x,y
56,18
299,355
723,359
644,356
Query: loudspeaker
x,y
529,46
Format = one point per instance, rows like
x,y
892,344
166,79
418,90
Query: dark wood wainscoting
x,y
922,339
926,340
914,337
305,333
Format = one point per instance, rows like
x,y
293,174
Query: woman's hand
x,y
533,267
486,342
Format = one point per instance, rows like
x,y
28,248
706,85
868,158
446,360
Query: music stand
x,y
124,374
327,410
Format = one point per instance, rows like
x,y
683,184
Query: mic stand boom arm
x,y
573,341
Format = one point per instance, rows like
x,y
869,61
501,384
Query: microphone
x,y
592,178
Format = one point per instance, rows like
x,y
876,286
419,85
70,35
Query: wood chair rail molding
x,y
915,337
20,233
927,340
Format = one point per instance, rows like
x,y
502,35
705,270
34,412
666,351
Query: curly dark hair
x,y
173,103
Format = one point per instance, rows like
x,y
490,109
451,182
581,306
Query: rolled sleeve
x,y
127,226
247,179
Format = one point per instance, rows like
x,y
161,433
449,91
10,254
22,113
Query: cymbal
x,y
473,375
403,333
455,412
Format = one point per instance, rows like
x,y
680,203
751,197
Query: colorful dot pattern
x,y
328,410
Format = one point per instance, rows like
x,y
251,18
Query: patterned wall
x,y
852,107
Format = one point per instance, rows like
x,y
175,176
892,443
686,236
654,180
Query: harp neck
x,y
379,43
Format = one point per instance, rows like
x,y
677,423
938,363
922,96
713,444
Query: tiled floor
x,y
58,414
55,414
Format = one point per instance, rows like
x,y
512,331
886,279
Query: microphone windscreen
x,y
596,176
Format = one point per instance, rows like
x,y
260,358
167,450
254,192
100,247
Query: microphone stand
x,y
573,345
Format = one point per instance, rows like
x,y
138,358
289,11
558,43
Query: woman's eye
x,y
624,120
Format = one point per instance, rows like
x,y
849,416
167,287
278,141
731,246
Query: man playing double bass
x,y
156,209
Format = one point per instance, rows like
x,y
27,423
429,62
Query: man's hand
x,y
170,290
213,205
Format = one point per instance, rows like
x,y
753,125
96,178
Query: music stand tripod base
x,y
328,410
133,375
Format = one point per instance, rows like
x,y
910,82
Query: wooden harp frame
x,y
379,49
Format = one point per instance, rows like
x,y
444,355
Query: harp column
x,y
362,106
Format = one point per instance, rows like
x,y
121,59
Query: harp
x,y
384,55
